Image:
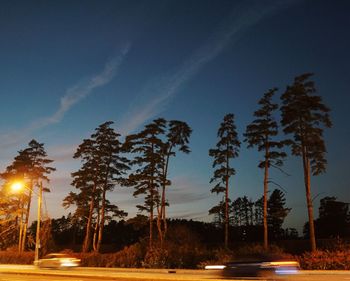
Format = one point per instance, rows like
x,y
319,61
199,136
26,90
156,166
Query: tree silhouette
x,y
334,218
147,177
154,146
261,133
277,212
102,169
304,116
177,137
219,212
31,167
226,149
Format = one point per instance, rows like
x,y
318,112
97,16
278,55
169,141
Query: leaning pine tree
x,y
261,133
226,149
176,139
147,177
304,116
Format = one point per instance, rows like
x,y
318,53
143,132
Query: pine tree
x,y
102,169
304,116
147,178
226,149
177,137
261,133
219,213
277,212
154,147
31,167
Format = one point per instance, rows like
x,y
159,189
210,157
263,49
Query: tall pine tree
x,y
226,149
261,133
304,116
177,138
153,148
147,177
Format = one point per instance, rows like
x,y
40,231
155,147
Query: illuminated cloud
x,y
166,86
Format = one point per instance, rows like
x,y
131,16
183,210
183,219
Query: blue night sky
x,y
68,66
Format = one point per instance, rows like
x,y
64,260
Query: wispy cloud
x,y
62,153
186,190
229,32
72,96
83,89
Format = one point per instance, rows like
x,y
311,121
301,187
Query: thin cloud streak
x,y
84,89
73,96
228,33
62,153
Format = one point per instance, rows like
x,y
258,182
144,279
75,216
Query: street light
x,y
17,186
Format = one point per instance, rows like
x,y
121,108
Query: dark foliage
x,y
333,219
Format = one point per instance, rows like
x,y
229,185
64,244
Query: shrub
x,y
257,252
326,260
156,258
248,252
217,256
130,256
12,256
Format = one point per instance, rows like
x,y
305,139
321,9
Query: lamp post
x,y
18,186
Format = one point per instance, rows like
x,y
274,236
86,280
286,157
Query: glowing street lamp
x,y
18,186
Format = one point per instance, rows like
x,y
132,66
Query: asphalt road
x,y
23,273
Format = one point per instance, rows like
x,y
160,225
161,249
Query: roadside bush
x,y
248,252
217,256
182,249
130,256
156,258
257,252
12,256
92,259
326,260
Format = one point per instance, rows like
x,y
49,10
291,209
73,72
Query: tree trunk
x,y
226,214
226,200
24,232
165,225
266,176
24,236
307,181
161,219
20,232
151,228
151,209
94,237
159,225
86,244
20,238
102,221
96,228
